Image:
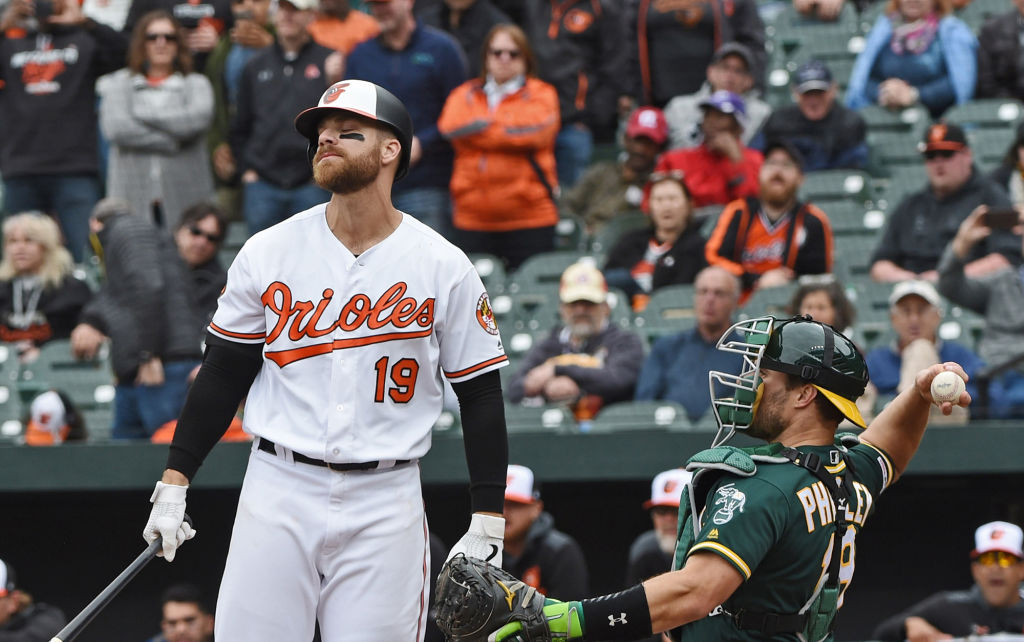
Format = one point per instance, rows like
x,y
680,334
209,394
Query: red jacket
x,y
713,179
495,186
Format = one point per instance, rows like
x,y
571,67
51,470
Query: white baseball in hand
x,y
947,386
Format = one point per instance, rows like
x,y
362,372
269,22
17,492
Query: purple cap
x,y
727,103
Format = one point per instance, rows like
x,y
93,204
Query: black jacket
x,y
48,122
145,306
581,49
1000,67
271,92
837,141
922,225
552,562
679,265
958,613
56,315
208,281
473,28
36,623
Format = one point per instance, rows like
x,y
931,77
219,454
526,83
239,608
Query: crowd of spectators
x,y
183,110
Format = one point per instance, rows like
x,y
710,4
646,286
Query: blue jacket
x,y
421,76
959,47
884,365
677,370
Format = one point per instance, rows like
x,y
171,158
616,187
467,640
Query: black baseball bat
x,y
82,620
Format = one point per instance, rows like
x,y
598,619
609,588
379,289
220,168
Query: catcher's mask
x,y
812,351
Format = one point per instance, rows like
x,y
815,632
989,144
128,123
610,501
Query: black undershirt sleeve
x,y
228,371
484,437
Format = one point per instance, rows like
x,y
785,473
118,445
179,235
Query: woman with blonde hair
x,y
155,113
40,297
917,52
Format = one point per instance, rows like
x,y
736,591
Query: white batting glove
x,y
484,540
167,519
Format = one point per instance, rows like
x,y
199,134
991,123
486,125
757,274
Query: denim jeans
x,y
140,410
573,148
71,197
265,204
1006,396
430,205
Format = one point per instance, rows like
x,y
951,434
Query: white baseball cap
x,y
582,282
519,485
6,579
998,536
923,289
667,487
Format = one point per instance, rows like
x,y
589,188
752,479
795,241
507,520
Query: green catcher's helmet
x,y
812,351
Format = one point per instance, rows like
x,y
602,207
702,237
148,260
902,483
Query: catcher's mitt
x,y
474,599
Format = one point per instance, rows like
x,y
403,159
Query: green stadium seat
x,y
669,311
543,419
640,416
541,269
989,146
764,301
226,255
834,184
978,11
11,413
621,223
891,150
912,119
447,423
962,325
237,234
491,271
793,34
537,309
99,423
987,113
903,181
856,251
851,217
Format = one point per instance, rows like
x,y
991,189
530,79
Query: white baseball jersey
x,y
354,347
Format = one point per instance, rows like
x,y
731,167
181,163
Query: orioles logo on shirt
x,y
304,320
577,21
485,315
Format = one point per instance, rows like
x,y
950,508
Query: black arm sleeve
x,y
227,372
485,440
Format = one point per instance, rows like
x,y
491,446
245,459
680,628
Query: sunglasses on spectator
x,y
939,153
511,53
997,558
212,238
169,37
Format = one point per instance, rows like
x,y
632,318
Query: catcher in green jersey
x,y
767,536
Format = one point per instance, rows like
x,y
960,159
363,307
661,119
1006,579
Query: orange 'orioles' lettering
x,y
391,308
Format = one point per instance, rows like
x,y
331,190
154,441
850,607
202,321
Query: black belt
x,y
268,446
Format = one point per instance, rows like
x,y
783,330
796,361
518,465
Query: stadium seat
x,y
912,119
986,113
447,423
11,426
773,301
989,146
608,236
851,217
890,150
541,269
794,34
669,310
856,251
544,419
835,184
237,234
903,180
978,11
491,271
640,415
570,232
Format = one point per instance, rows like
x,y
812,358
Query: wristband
x,y
619,616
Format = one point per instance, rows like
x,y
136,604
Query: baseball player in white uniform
x,y
339,324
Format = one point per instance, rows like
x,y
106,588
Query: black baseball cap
x,y
734,49
943,137
786,146
810,76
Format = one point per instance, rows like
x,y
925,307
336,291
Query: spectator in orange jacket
x,y
721,169
769,241
503,127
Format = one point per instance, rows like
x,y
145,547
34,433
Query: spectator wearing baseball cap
x,y
926,221
720,169
535,551
21,618
586,361
916,52
770,240
731,69
54,420
610,188
915,312
828,135
669,55
993,605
